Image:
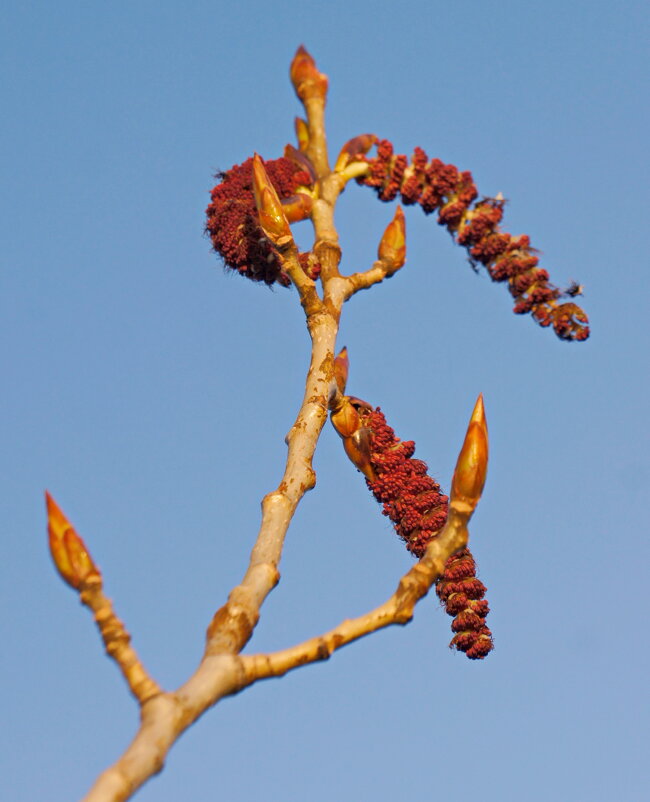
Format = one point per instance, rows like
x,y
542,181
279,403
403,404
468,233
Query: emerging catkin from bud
x,y
233,223
436,186
417,507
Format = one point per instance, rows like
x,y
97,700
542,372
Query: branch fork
x,y
250,222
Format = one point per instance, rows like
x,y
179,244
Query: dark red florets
x,y
232,218
438,186
462,594
417,508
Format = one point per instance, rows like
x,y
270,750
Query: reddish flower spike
x,y
417,508
438,186
233,225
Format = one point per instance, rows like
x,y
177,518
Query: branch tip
x,y
69,552
471,468
305,77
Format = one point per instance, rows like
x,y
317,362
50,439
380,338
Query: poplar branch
x,y
309,298
367,278
117,642
166,717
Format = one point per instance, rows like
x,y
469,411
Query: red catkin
x,y
232,222
417,508
475,225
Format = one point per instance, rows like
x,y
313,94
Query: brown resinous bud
x,y
471,468
69,552
392,248
272,219
305,77
346,418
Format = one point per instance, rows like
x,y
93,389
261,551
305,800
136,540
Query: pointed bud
x,y
269,209
341,367
297,207
68,550
392,248
306,80
302,133
471,468
358,146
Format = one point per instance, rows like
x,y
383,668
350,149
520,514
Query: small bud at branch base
x,y
297,207
471,468
392,248
302,133
358,146
341,367
269,209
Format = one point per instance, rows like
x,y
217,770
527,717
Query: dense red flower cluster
x,y
462,594
233,224
438,186
415,504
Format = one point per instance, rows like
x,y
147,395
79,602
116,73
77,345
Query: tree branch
x,y
398,609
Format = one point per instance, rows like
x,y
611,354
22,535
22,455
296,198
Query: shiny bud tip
x,y
69,552
269,208
392,248
471,468
341,368
346,419
305,77
302,133
353,149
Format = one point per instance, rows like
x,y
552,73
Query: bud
x,y
302,161
302,133
306,80
392,248
269,209
357,447
356,437
345,419
471,468
297,207
358,146
68,550
341,366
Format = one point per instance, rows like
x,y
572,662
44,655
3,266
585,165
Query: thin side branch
x,y
117,642
398,609
78,569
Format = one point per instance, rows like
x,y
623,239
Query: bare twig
x,y
415,584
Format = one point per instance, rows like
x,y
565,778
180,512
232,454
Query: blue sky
x,y
151,392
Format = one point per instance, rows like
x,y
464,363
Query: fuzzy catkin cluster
x,y
475,225
417,508
232,221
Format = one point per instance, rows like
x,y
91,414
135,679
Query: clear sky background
x,y
151,392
